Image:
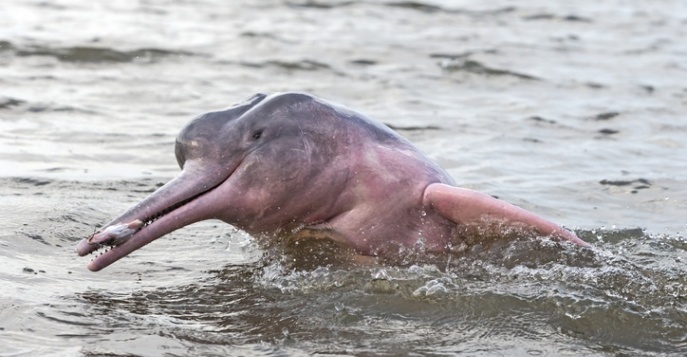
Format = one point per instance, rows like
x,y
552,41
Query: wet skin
x,y
292,162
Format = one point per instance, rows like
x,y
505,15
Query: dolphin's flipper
x,y
465,206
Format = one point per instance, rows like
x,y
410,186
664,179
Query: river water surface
x,y
575,111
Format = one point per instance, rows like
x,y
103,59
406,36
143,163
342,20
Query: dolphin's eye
x,y
257,135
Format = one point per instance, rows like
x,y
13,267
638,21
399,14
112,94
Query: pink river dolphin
x,y
292,162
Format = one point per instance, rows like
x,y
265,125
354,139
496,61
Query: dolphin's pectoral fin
x,y
464,206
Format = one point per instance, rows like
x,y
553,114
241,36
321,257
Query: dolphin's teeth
x,y
149,220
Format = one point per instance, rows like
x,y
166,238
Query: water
x,y
574,111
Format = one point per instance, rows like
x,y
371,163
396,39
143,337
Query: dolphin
x,y
293,162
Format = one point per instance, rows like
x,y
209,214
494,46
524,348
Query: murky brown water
x,y
575,111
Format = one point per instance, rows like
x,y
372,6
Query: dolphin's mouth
x,y
151,219
106,243
116,234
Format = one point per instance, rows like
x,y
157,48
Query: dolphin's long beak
x,y
184,200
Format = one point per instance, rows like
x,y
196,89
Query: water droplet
x,y
438,289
